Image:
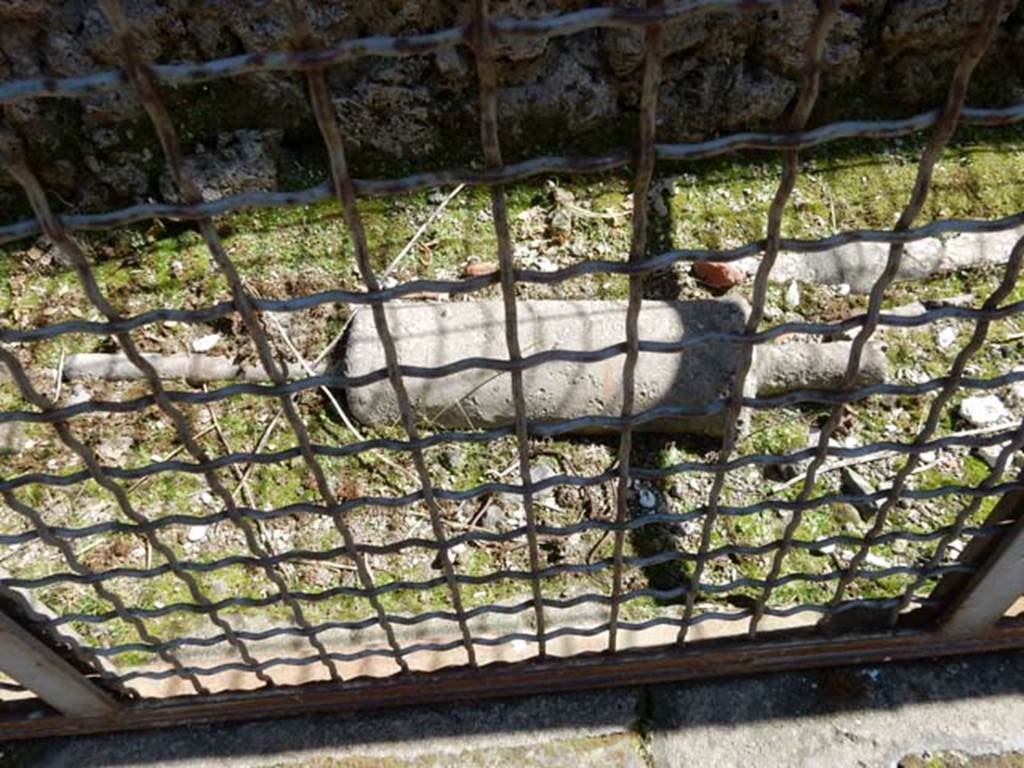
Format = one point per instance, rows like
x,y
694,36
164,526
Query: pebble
x,y
989,454
876,560
843,289
197,532
480,268
945,337
647,498
854,483
538,473
12,437
983,411
1017,391
793,295
718,274
78,394
205,343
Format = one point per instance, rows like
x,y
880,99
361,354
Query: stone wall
x,y
723,72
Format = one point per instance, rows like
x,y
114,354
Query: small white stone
x,y
843,289
793,295
78,394
647,498
197,532
945,337
1017,391
875,560
983,411
990,454
205,343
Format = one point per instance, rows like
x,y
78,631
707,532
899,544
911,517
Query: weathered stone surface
x,y
722,72
433,335
860,264
983,411
12,437
805,365
857,716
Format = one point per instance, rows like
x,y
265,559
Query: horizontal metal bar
x,y
378,46
654,413
475,536
774,651
527,169
592,267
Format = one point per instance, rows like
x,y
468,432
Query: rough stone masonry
x,y
723,72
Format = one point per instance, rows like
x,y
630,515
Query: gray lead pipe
x,y
437,334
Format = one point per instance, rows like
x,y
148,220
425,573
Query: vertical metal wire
x,y
487,76
810,88
654,36
815,49
149,96
345,193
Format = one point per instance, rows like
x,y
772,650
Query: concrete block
x,y
437,334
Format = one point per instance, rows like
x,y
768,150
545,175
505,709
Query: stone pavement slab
x,y
866,716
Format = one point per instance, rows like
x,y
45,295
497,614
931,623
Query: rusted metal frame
x,y
167,136
120,608
984,541
334,143
483,49
771,652
944,131
37,198
815,49
990,592
943,590
38,668
23,607
977,340
654,37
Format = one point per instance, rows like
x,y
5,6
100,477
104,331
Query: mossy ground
x,y
555,222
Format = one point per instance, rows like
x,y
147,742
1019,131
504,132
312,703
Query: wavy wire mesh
x,y
372,621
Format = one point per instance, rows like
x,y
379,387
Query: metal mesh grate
x,y
537,618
